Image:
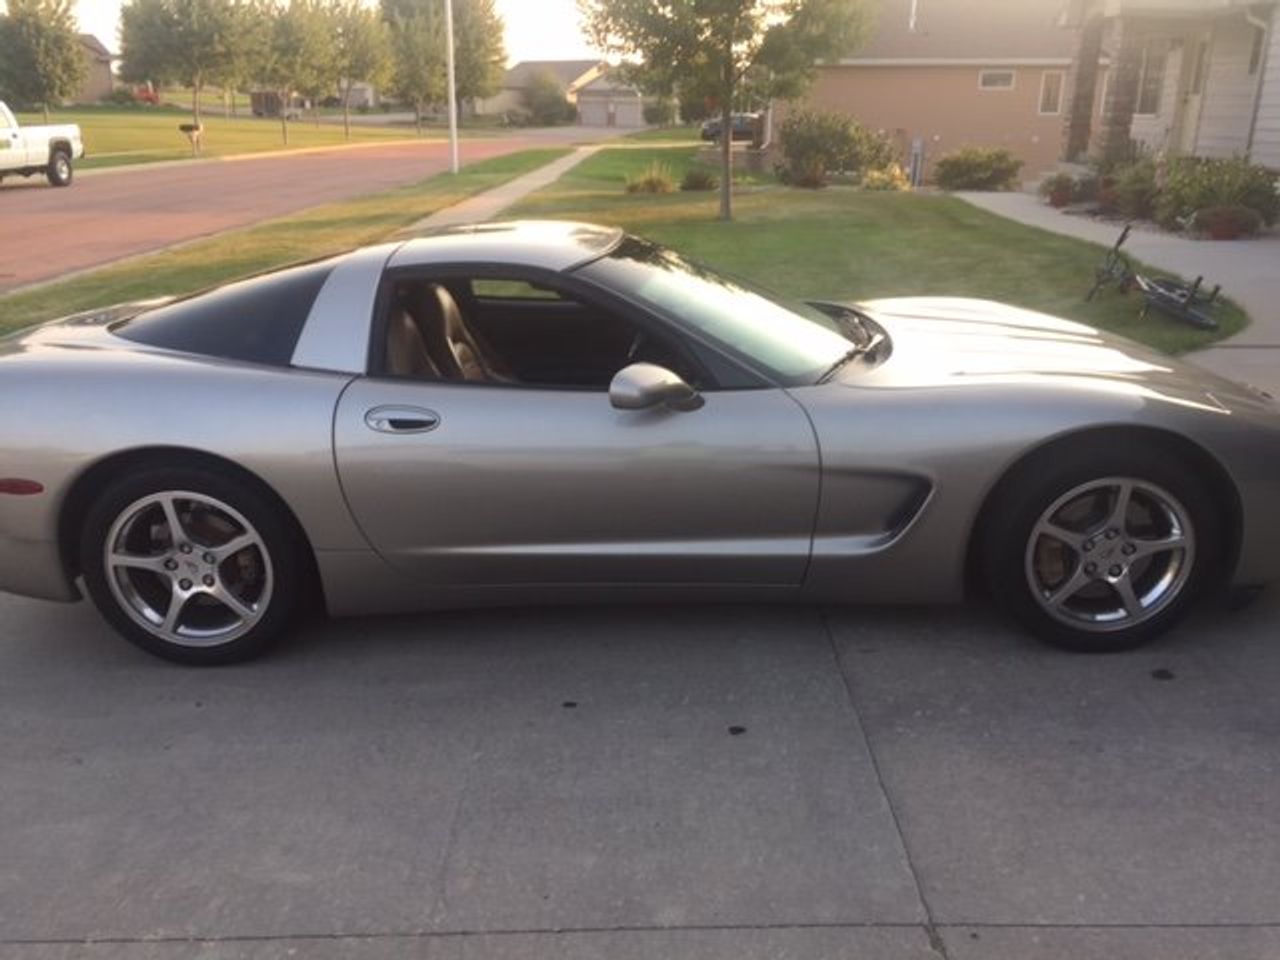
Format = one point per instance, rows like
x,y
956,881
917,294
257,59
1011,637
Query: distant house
x,y
98,78
937,75
1198,77
608,102
572,75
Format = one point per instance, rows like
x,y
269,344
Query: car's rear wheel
x,y
60,172
1106,551
193,566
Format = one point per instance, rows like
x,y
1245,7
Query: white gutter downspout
x,y
1263,64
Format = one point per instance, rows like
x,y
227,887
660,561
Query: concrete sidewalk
x,y
491,203
1249,271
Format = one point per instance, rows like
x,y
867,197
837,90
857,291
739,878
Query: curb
x,y
263,155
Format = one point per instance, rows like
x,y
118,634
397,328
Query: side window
x,y
488,289
514,331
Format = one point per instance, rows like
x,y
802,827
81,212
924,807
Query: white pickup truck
x,y
28,150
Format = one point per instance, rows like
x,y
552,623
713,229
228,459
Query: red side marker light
x,y
20,488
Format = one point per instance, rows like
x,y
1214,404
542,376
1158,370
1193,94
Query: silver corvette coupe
x,y
554,412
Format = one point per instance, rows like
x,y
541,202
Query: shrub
x,y
1087,189
1193,184
1228,223
661,113
656,178
120,96
890,178
1133,190
545,100
1059,189
699,178
977,168
816,144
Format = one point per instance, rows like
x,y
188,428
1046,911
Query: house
x,y
936,75
609,102
1195,77
572,75
99,81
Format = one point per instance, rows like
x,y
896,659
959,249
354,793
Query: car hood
x,y
951,342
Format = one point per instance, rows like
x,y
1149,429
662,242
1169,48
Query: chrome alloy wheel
x,y
1110,554
188,568
62,167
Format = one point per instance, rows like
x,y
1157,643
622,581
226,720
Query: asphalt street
x,y
115,214
721,782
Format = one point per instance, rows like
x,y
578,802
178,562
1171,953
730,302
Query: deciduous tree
x,y
362,50
191,42
41,60
713,47
299,55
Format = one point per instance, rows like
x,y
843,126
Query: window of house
x,y
1155,58
1051,92
1255,52
995,80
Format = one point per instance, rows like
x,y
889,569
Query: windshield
x,y
794,342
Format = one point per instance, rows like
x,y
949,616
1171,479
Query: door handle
x,y
401,420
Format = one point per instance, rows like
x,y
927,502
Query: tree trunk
x,y
726,133
726,157
346,111
45,108
284,118
417,116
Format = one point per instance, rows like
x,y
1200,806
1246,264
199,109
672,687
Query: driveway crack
x,y
936,942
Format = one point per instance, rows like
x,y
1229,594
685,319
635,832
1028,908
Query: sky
x,y
536,29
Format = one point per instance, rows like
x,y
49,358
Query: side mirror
x,y
643,386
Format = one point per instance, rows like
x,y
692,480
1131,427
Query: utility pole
x,y
453,88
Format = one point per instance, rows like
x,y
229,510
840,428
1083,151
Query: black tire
x,y
277,539
60,173
1023,499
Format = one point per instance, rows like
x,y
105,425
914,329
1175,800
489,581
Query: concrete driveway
x,y
622,783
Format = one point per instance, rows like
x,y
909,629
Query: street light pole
x,y
453,88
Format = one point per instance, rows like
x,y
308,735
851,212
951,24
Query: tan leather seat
x,y
454,348
407,354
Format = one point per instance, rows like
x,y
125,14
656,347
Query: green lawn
x,y
315,233
114,137
688,133
842,243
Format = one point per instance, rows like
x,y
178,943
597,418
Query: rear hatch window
x,y
257,320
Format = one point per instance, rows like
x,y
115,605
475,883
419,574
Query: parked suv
x,y
744,127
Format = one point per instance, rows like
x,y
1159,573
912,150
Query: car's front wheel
x,y
60,172
1106,550
194,566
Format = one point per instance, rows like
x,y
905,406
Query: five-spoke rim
x,y
188,568
1110,554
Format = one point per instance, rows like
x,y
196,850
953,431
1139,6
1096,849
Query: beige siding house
x,y
98,78
1266,131
937,75
1190,77
608,102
